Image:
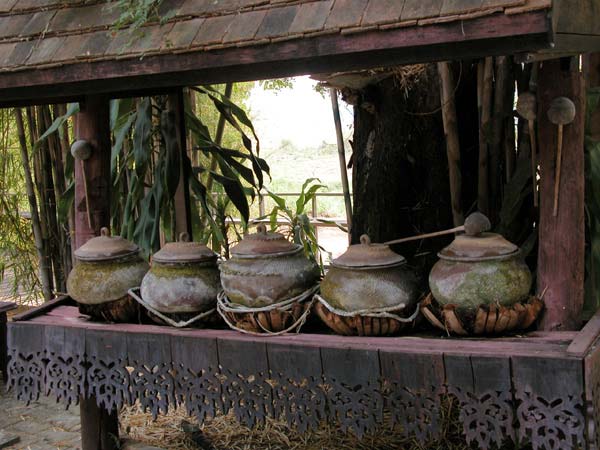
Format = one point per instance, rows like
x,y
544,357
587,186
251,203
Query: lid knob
x,y
261,228
365,239
477,223
104,231
184,237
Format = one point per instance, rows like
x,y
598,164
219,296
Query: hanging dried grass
x,y
226,433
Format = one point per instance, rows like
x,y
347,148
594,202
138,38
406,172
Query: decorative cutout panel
x,y
360,390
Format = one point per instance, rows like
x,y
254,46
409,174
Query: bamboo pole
x,y
342,158
447,87
33,208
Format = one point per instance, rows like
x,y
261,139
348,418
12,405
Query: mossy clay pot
x,y
105,269
184,278
479,270
369,276
265,268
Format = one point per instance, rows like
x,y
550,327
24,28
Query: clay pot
x,y
369,276
265,268
105,269
480,269
184,279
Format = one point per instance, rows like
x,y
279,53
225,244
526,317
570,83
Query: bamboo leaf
x,y
72,109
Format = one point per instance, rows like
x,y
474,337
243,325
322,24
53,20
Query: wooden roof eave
x,y
484,36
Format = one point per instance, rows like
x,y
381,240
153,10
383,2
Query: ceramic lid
x,y
368,255
478,244
264,243
106,247
184,251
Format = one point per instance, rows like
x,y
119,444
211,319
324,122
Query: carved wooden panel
x,y
361,389
549,393
592,394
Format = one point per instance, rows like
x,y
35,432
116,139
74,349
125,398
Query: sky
x,y
300,115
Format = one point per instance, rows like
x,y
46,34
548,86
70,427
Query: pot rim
x,y
297,249
512,255
97,259
368,267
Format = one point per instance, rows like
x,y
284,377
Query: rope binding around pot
x,y
286,316
385,321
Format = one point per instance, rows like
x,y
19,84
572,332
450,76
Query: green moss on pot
x,y
470,284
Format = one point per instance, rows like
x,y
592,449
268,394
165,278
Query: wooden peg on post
x,y
561,256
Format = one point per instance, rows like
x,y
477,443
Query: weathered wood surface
x,y
497,34
561,239
528,388
93,125
4,308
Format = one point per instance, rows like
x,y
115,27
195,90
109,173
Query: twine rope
x,y
167,319
385,312
224,306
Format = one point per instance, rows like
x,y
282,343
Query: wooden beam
x,y
562,238
497,34
93,125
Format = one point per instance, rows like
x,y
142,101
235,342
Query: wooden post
x,y
183,223
93,125
562,238
447,88
99,427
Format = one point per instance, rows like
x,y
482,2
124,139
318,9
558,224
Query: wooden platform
x,y
543,387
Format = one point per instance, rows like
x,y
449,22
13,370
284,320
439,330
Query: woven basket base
x,y
486,320
361,325
273,321
124,310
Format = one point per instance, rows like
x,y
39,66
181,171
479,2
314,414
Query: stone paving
x,y
43,425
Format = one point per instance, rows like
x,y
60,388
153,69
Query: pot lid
x,y
264,243
367,255
478,244
105,247
184,251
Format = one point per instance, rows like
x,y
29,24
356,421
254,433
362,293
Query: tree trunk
x,y
400,169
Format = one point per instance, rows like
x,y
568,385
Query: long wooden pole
x,y
447,88
183,223
342,158
99,427
485,75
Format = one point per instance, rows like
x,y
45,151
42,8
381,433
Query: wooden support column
x,y
183,223
562,238
99,427
93,125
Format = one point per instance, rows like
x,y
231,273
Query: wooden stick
x,y
533,140
87,194
426,235
342,158
557,170
447,88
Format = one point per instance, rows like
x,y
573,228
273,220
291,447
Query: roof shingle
x,y
41,32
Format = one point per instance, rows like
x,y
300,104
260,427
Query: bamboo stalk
x,y
342,159
44,123
447,88
33,208
65,148
483,197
